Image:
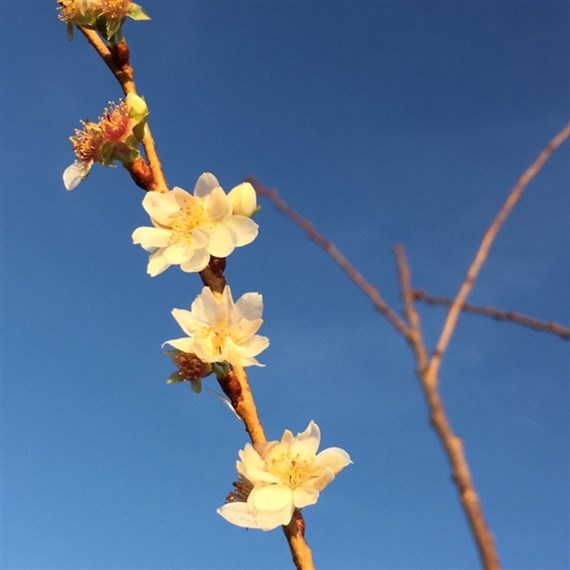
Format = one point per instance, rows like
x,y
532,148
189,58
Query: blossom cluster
x,y
115,137
194,231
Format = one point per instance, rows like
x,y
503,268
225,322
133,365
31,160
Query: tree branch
x,y
452,444
508,316
485,247
428,368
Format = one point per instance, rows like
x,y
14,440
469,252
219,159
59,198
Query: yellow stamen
x,y
293,470
220,332
87,142
190,217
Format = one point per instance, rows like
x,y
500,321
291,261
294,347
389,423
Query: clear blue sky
x,y
383,122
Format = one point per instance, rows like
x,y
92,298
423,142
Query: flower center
x,y
219,332
115,122
190,217
87,143
293,470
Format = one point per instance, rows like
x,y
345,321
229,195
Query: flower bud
x,y
244,199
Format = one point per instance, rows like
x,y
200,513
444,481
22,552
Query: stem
x,y
508,316
239,391
295,534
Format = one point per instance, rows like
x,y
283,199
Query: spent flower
x,y
106,16
277,477
189,369
115,137
221,331
189,228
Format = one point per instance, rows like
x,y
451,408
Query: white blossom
x,y
283,475
188,228
220,330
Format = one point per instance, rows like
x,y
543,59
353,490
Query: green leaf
x,y
112,27
175,378
69,32
196,386
136,12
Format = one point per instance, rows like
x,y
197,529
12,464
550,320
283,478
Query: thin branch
x,y
451,443
508,316
119,64
484,248
416,337
372,292
236,386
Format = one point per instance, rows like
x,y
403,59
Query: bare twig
x,y
372,292
484,248
416,337
451,443
119,65
428,368
509,316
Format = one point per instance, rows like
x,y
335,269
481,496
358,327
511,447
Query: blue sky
x,y
382,122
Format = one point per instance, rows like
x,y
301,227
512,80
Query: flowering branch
x,y
508,316
179,236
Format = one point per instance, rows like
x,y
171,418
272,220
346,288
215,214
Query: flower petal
x,y
151,238
198,261
178,253
186,320
161,206
157,264
308,441
334,458
206,307
184,344
245,229
221,242
205,184
250,306
238,513
244,330
75,173
218,206
271,505
303,497
255,345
